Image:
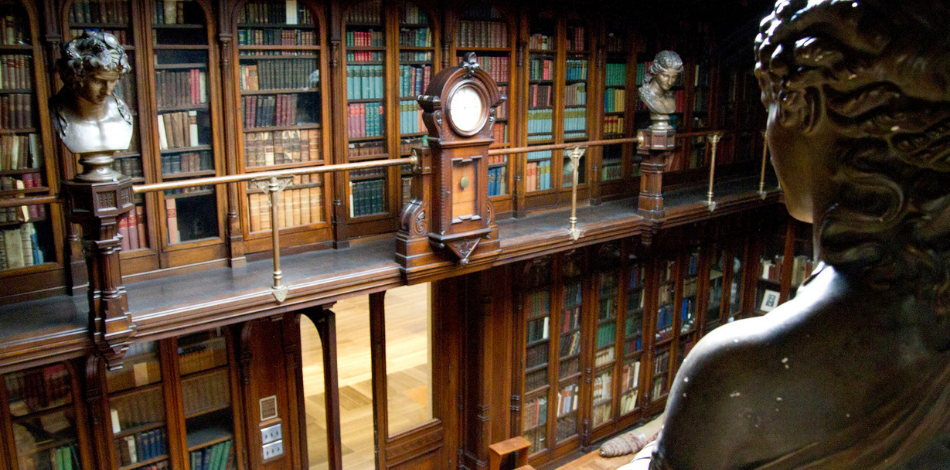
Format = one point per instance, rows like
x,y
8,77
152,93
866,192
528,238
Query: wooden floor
x,y
593,461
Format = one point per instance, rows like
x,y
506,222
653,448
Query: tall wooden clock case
x,y
454,221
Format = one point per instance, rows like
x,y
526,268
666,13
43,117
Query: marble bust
x,y
854,372
86,114
656,92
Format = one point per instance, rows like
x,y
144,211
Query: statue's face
x,y
665,80
98,86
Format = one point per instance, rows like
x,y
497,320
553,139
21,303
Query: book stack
x,y
615,75
188,162
482,34
370,38
38,389
365,149
413,15
364,82
570,343
15,71
16,111
275,12
410,117
303,73
205,392
495,67
177,12
612,170
575,69
129,166
613,125
541,42
538,171
178,130
300,204
96,11
30,213
575,38
575,94
499,134
540,95
365,13
365,120
575,122
271,111
367,195
536,379
415,37
216,457
276,37
132,230
614,100
413,79
604,357
664,322
141,446
540,123
497,180
802,267
642,69
536,356
606,335
771,269
567,399
181,88
537,330
20,248
535,413
541,69
406,144
602,388
282,147
202,355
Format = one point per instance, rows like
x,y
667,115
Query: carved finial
x,y
470,63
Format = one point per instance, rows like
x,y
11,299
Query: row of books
x,y
575,38
664,322
770,269
688,314
203,351
365,120
635,280
541,42
540,95
604,357
538,175
802,267
298,207
496,67
366,197
575,120
606,335
615,74
406,190
415,37
413,15
537,330
575,94
13,30
611,170
570,344
277,37
629,376
25,213
642,69
608,303
365,82
20,152
536,379
141,447
143,407
499,135
364,149
216,457
602,389
365,13
481,34
188,162
541,69
178,130
142,368
536,355
602,413
281,147
633,343
129,166
414,79
99,11
575,69
177,12
205,392
58,458
406,144
571,316
538,303
275,12
16,111
371,38
615,100
38,389
569,367
181,88
535,412
567,399
628,402
302,73
410,117
132,230
272,110
375,57
540,121
498,181
16,71
572,294
19,248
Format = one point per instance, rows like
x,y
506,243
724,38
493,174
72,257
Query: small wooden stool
x,y
516,445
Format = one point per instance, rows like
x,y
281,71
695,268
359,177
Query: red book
x,y
124,233
133,231
140,225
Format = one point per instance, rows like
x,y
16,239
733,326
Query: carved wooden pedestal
x,y
655,144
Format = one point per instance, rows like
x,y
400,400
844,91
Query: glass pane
x,y
311,354
537,312
43,417
735,290
538,170
408,357
713,307
575,95
355,383
629,385
690,282
661,372
206,399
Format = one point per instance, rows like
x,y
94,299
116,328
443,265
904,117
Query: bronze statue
x,y
854,372
656,92
86,114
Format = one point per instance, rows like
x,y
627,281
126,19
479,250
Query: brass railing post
x,y
714,138
273,186
575,155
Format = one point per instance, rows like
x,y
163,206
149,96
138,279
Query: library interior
x,y
358,233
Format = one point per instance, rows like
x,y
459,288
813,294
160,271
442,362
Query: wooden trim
x,y
377,334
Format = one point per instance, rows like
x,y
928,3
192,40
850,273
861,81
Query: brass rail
x,y
28,201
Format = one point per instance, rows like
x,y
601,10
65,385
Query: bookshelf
x,y
664,326
43,416
717,296
617,113
137,410
281,64
572,337
632,335
366,88
205,378
482,28
540,99
180,45
688,303
416,54
606,351
27,237
537,370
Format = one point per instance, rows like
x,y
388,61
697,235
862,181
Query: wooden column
x,y
656,143
377,335
338,217
232,114
326,326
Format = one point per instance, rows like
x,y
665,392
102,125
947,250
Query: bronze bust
x,y
656,92
854,372
86,114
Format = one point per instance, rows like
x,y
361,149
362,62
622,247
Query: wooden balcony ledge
x,y
54,329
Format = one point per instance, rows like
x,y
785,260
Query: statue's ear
x,y
801,109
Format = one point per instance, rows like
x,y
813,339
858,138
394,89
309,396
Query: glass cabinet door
x,y
43,417
137,409
206,399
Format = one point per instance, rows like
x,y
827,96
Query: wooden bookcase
x,y
281,69
617,166
44,419
488,31
416,59
30,235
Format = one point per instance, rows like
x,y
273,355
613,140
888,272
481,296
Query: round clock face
x,y
465,110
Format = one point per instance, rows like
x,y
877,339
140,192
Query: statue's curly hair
x,y
89,52
878,71
665,61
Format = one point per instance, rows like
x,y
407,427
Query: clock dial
x,y
466,109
